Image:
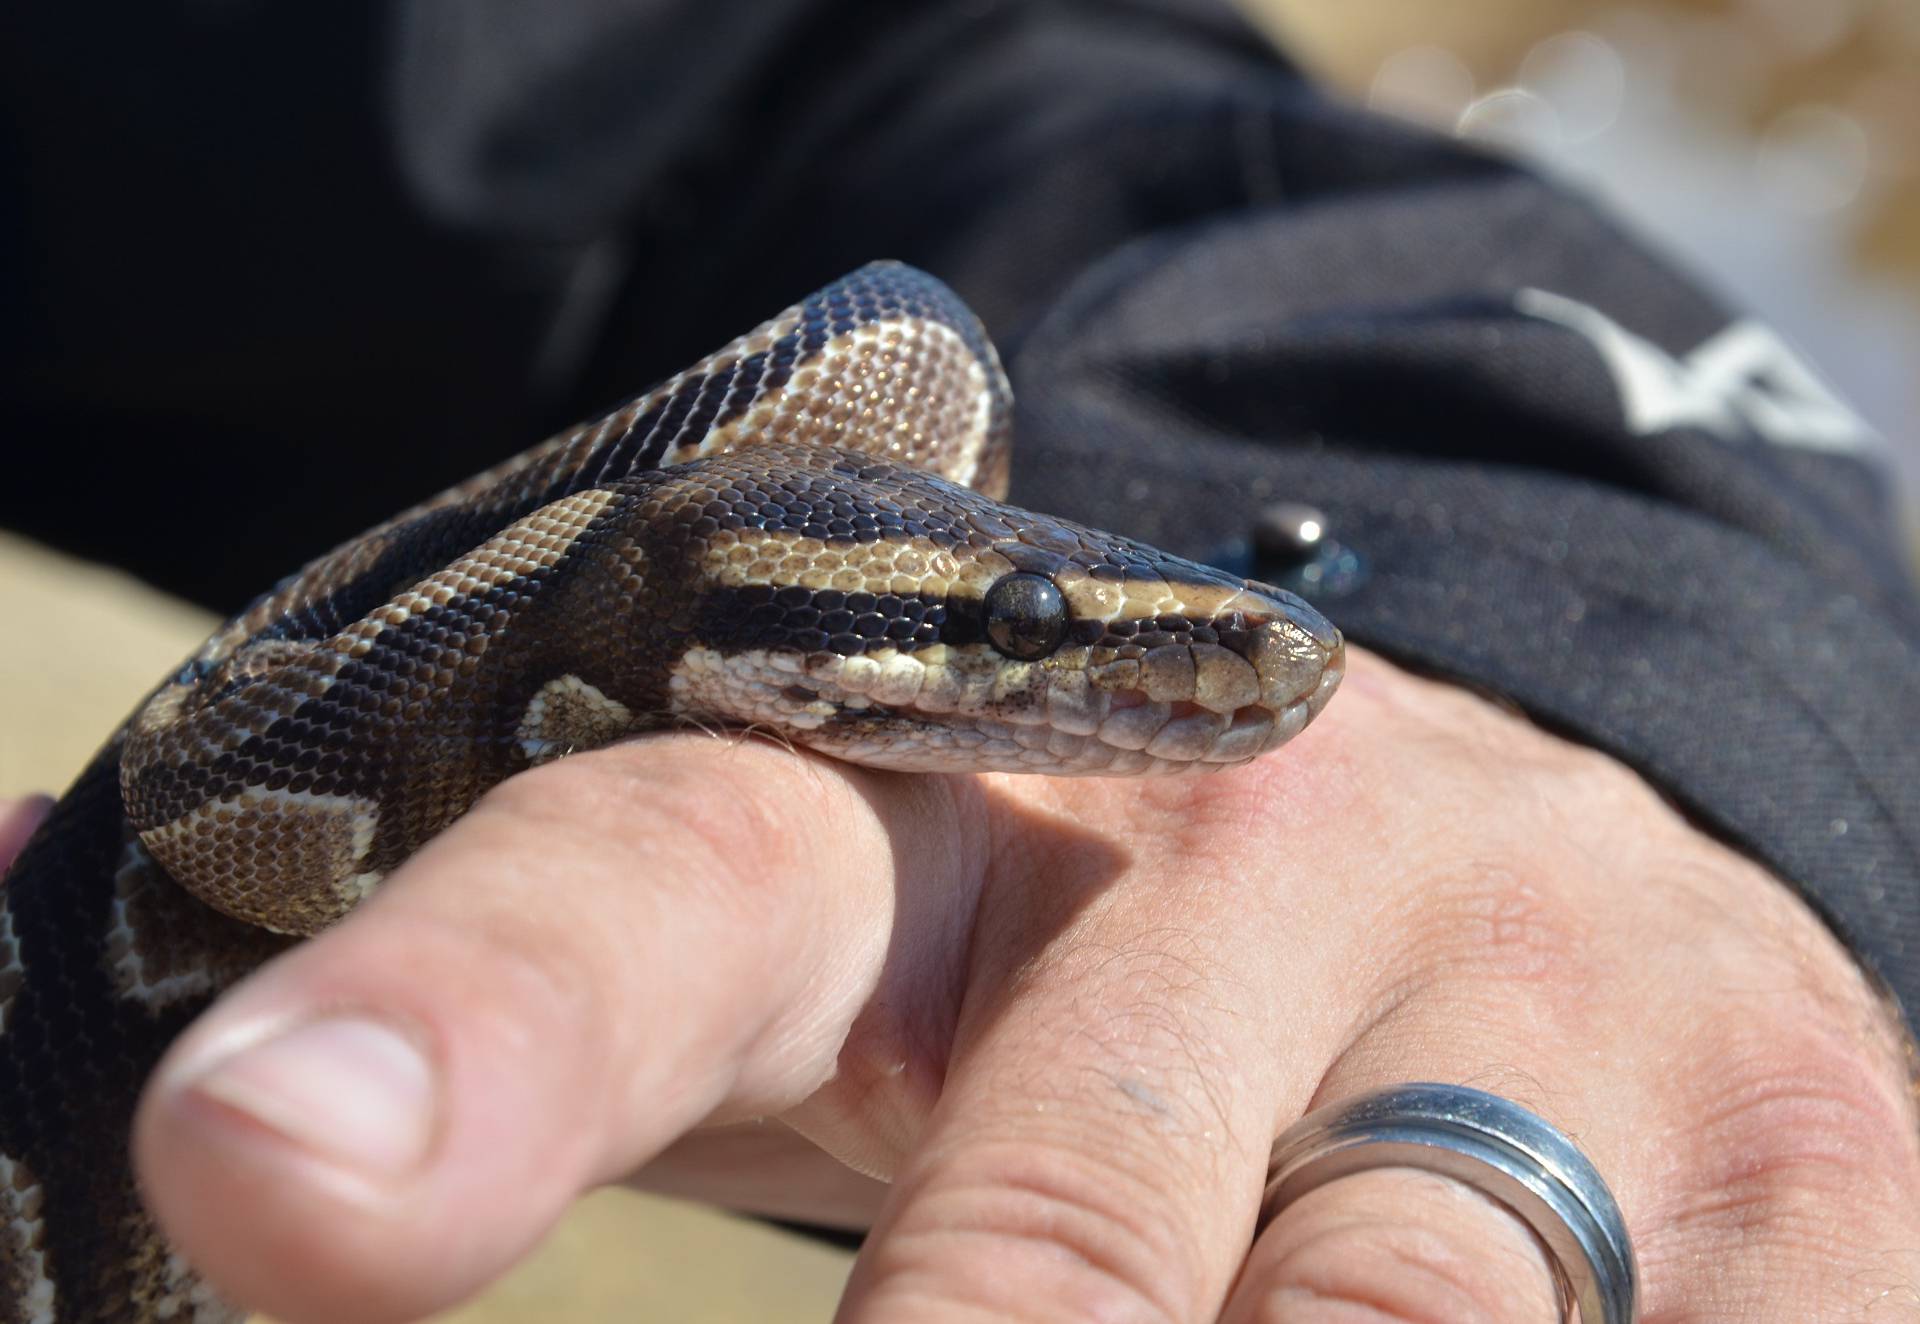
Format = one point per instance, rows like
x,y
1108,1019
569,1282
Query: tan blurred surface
x,y
82,646
1753,61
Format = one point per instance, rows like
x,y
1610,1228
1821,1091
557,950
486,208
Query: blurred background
x,y
1772,145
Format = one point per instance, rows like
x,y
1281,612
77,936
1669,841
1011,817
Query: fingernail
x,y
352,1090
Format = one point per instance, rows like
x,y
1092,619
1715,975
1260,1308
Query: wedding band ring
x,y
1500,1149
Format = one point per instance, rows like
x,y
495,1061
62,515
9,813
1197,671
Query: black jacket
x,y
271,272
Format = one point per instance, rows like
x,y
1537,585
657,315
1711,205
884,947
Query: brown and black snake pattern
x,y
800,534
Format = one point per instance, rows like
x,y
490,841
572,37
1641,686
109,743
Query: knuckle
x,y
1487,924
1070,1236
1792,1120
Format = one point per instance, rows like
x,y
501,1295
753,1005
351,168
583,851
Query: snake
x,y
804,536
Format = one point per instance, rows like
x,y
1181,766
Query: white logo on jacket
x,y
1743,379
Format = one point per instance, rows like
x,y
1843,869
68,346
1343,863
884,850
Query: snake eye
x,y
1026,616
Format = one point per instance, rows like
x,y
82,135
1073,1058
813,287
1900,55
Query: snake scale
x,y
800,535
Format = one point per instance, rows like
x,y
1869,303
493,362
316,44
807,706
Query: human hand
x,y
1065,1020
18,819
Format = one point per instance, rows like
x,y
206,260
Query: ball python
x,y
801,535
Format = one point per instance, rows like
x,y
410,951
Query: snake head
x,y
893,619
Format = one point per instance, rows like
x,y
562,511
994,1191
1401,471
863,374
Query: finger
x,y
18,819
1395,1245
602,954
1097,1148
1766,1165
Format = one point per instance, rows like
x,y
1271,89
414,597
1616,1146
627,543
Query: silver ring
x,y
1496,1147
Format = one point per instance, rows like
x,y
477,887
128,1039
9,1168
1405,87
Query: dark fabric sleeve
x,y
1568,476
1563,472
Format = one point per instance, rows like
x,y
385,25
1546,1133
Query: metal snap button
x,y
1293,550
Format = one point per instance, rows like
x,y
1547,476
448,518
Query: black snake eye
x,y
1026,616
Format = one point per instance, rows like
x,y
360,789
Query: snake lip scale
x,y
803,534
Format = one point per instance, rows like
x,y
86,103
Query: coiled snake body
x,y
800,535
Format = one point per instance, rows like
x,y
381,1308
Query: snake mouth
x,y
1108,733
1198,706
1185,731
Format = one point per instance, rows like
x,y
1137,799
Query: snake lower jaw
x,y
1073,729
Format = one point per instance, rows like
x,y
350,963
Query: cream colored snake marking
x,y
800,534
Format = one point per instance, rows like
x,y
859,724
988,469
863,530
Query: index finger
x,y
604,953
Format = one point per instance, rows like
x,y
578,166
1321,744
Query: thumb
x,y
603,954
